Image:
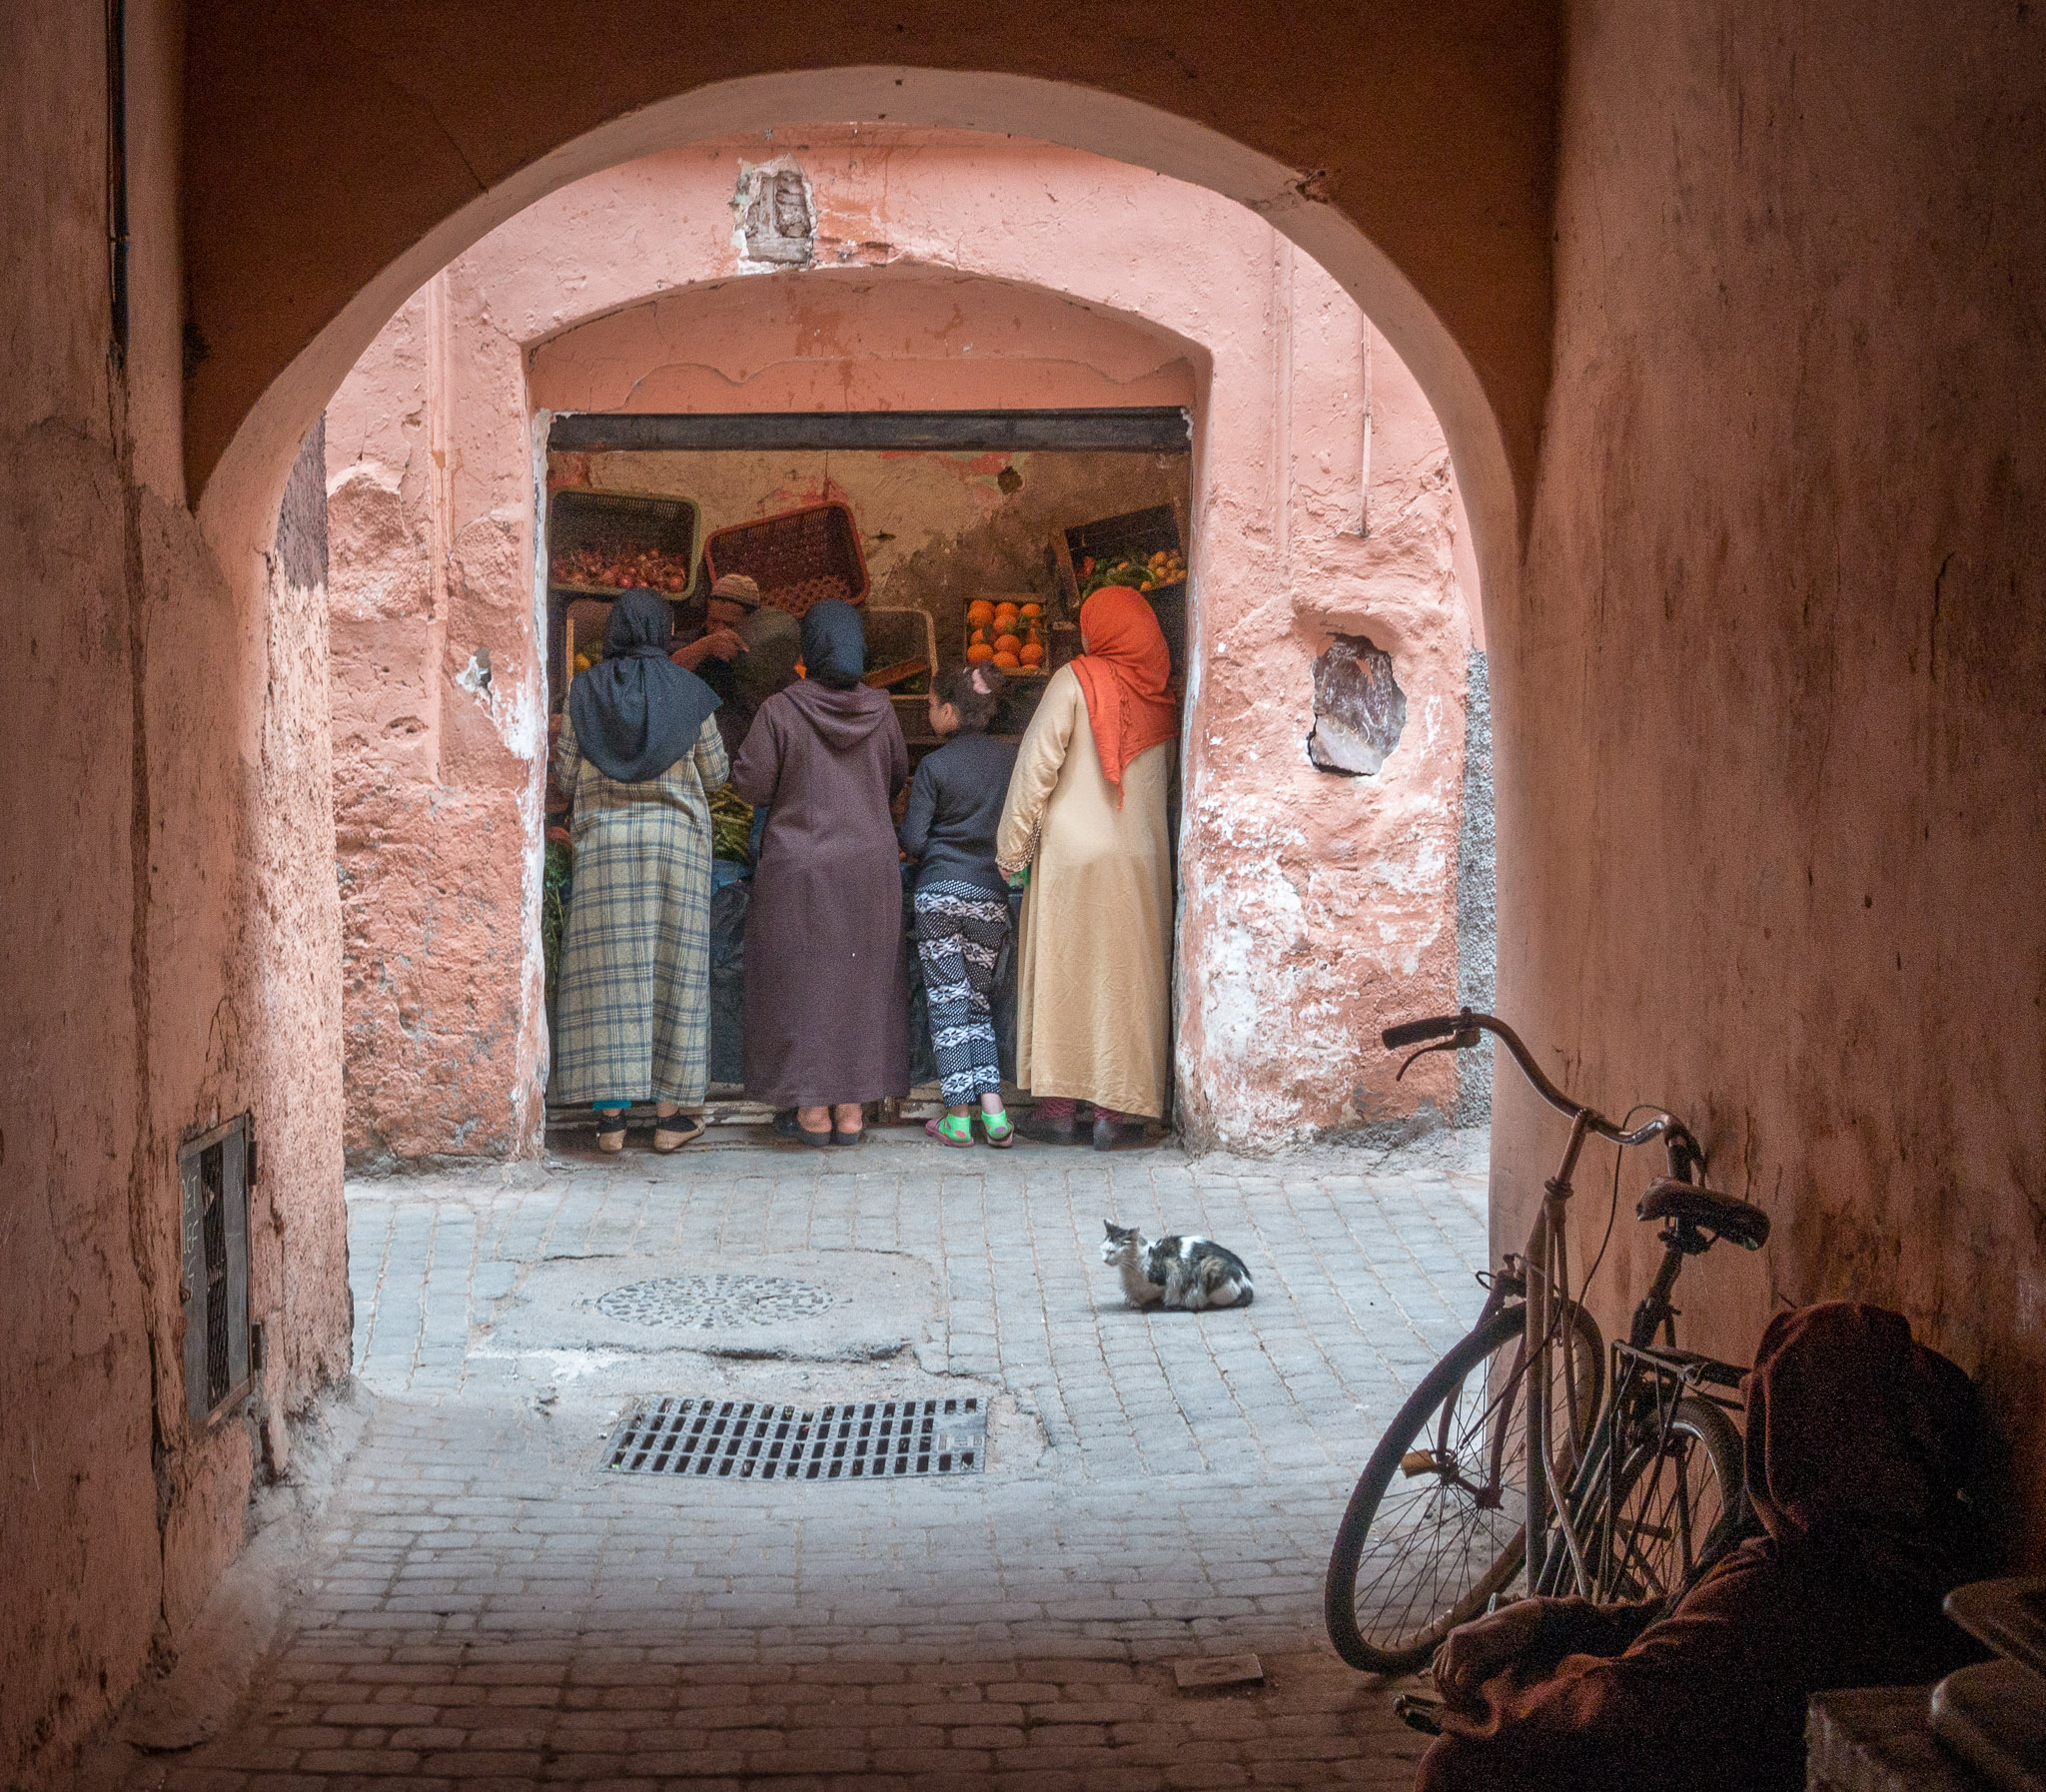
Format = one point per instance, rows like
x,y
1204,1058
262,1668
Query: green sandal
x,y
955,1129
1000,1134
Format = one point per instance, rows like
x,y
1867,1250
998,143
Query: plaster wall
x,y
1331,898
1769,725
164,845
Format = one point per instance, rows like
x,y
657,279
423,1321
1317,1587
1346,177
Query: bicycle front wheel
x,y
1438,1523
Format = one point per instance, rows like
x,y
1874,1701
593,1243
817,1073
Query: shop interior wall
x,y
165,869
1770,718
1173,295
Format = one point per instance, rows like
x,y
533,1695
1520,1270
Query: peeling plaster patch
x,y
476,676
777,216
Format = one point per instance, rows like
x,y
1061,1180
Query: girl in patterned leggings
x,y
962,901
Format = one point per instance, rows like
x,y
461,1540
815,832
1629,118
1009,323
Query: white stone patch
x,y
710,1303
475,678
775,213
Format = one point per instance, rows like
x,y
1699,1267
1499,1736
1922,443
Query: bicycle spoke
x,y
1434,1541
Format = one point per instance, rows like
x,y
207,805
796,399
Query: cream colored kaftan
x,y
1093,992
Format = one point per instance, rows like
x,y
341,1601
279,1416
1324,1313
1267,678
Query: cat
x,y
1182,1272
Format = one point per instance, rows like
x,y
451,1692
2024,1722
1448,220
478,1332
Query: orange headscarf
x,y
1123,677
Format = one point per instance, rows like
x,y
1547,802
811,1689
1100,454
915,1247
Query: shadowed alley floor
x,y
486,1605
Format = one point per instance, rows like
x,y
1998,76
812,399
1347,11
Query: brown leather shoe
x,y
1120,1135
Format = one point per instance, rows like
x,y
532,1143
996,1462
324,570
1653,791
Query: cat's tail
x,y
1217,1275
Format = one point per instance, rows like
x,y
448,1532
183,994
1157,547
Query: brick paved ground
x,y
490,1608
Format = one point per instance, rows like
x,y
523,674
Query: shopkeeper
x,y
710,653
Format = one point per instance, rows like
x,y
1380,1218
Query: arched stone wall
x,y
1329,895
265,370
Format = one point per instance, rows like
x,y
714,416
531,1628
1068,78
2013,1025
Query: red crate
x,y
797,558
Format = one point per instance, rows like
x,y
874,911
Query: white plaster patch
x,y
475,678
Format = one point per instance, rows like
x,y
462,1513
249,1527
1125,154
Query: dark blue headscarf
x,y
638,712
835,644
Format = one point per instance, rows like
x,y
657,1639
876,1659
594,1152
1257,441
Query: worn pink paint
x,y
951,270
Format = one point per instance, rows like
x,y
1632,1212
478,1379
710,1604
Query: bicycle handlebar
x,y
1462,1031
1444,1026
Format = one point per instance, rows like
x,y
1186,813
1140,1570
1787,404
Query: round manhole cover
x,y
708,1301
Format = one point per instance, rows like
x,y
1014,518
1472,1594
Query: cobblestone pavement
x,y
490,1607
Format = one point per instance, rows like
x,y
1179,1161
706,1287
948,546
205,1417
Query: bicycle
x,y
1636,1489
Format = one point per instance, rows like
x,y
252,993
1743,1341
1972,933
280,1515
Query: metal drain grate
x,y
750,1440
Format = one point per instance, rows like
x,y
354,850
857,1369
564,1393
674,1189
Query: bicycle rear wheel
x,y
1438,1522
1680,1485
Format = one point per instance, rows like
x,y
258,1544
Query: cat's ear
x,y
1109,1227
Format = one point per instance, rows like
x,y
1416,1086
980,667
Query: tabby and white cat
x,y
1185,1273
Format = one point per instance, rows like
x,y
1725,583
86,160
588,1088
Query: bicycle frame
x,y
1547,1264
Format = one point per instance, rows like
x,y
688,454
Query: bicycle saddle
x,y
1724,1216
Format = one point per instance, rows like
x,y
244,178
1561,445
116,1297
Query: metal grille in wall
x,y
214,1174
753,1441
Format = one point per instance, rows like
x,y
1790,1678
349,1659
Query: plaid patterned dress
x,y
632,1012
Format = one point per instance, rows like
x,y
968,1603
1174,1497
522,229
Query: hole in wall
x,y
1359,709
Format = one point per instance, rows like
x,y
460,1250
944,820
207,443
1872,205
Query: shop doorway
x,y
957,533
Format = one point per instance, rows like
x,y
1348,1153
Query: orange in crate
x,y
979,611
1031,655
1006,662
1008,643
980,652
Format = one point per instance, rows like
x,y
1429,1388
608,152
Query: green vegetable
x,y
555,878
731,827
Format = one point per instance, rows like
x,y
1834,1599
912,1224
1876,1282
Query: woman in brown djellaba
x,y
827,1005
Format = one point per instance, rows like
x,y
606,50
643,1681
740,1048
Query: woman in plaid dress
x,y
641,751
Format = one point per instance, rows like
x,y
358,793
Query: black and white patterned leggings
x,y
960,932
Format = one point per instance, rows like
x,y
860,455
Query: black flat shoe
x,y
1120,1135
785,1126
1046,1132
852,1138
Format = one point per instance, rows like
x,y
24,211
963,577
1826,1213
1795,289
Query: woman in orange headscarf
x,y
1086,811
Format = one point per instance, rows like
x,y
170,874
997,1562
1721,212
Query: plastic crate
x,y
896,635
620,526
797,558
1139,533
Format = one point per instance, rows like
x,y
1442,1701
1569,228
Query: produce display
x,y
622,569
905,678
553,904
1165,567
1010,636
731,827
